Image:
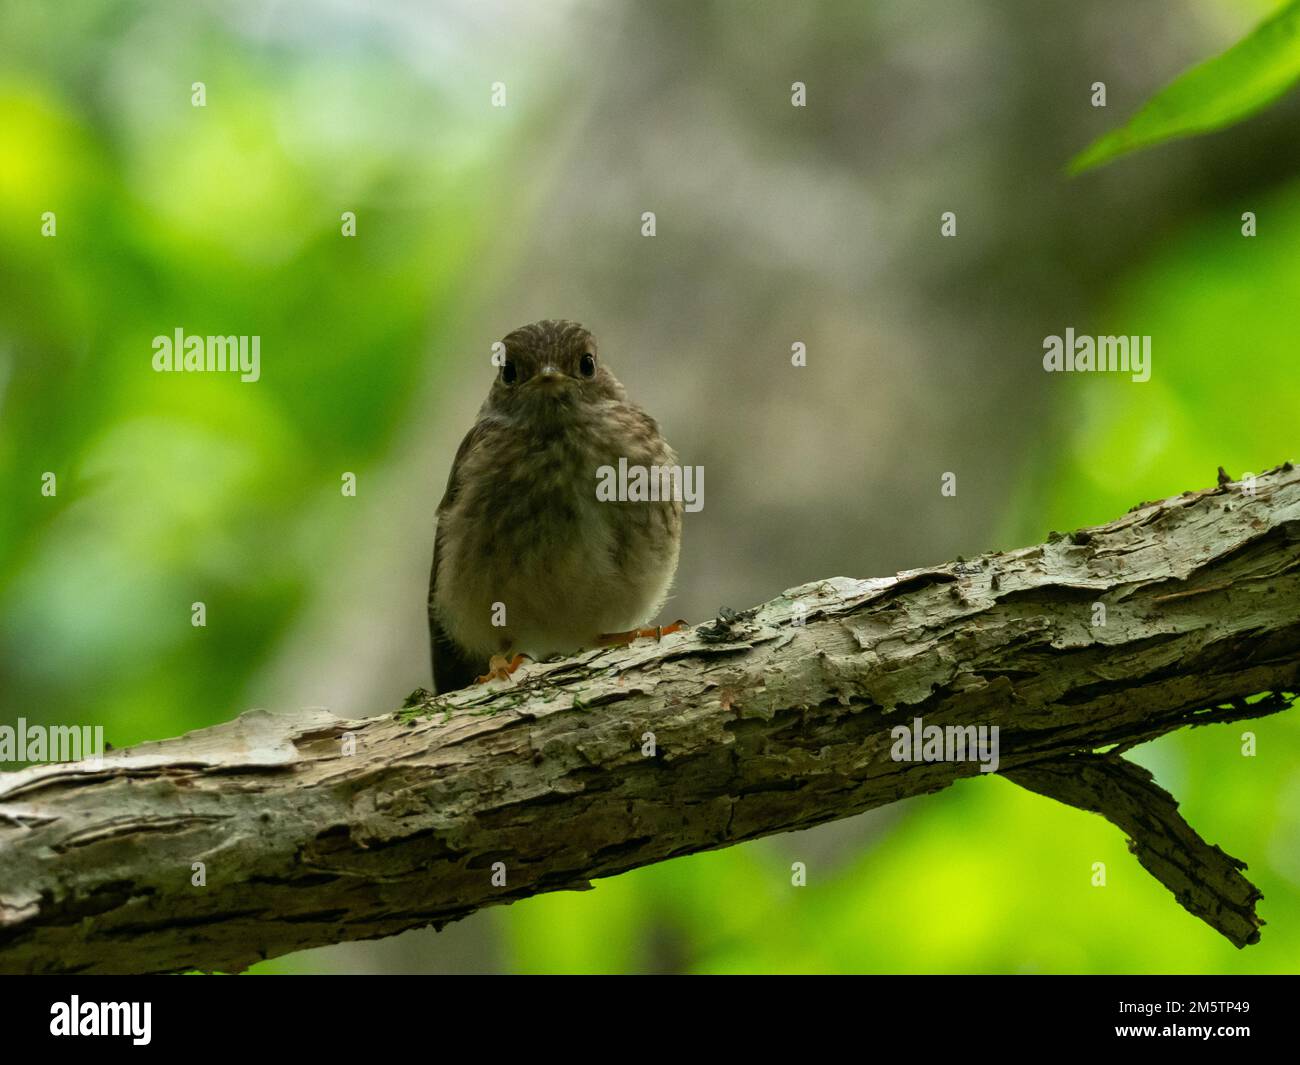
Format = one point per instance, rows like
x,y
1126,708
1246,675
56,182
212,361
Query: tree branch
x,y
1204,880
774,719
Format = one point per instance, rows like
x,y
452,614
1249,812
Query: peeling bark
x,y
761,724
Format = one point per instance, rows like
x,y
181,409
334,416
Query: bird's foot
x,y
622,639
500,668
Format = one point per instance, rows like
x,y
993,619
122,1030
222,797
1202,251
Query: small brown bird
x,y
527,559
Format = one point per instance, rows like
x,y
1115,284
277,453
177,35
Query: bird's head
x,y
550,371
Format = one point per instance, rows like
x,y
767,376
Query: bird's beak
x,y
551,376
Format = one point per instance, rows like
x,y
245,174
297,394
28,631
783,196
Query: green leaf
x,y
1251,74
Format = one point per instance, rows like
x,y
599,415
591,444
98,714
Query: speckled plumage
x,y
520,523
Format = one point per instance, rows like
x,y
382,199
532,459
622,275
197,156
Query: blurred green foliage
x,y
222,219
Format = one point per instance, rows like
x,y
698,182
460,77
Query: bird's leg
x,y
500,668
622,639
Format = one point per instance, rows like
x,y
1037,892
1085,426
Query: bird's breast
x,y
540,564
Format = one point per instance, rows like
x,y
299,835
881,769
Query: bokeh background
x,y
775,225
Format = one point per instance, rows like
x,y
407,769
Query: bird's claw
x,y
622,639
500,668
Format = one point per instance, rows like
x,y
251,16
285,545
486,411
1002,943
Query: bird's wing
x,y
452,669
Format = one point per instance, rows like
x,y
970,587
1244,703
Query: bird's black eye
x,y
588,365
508,372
